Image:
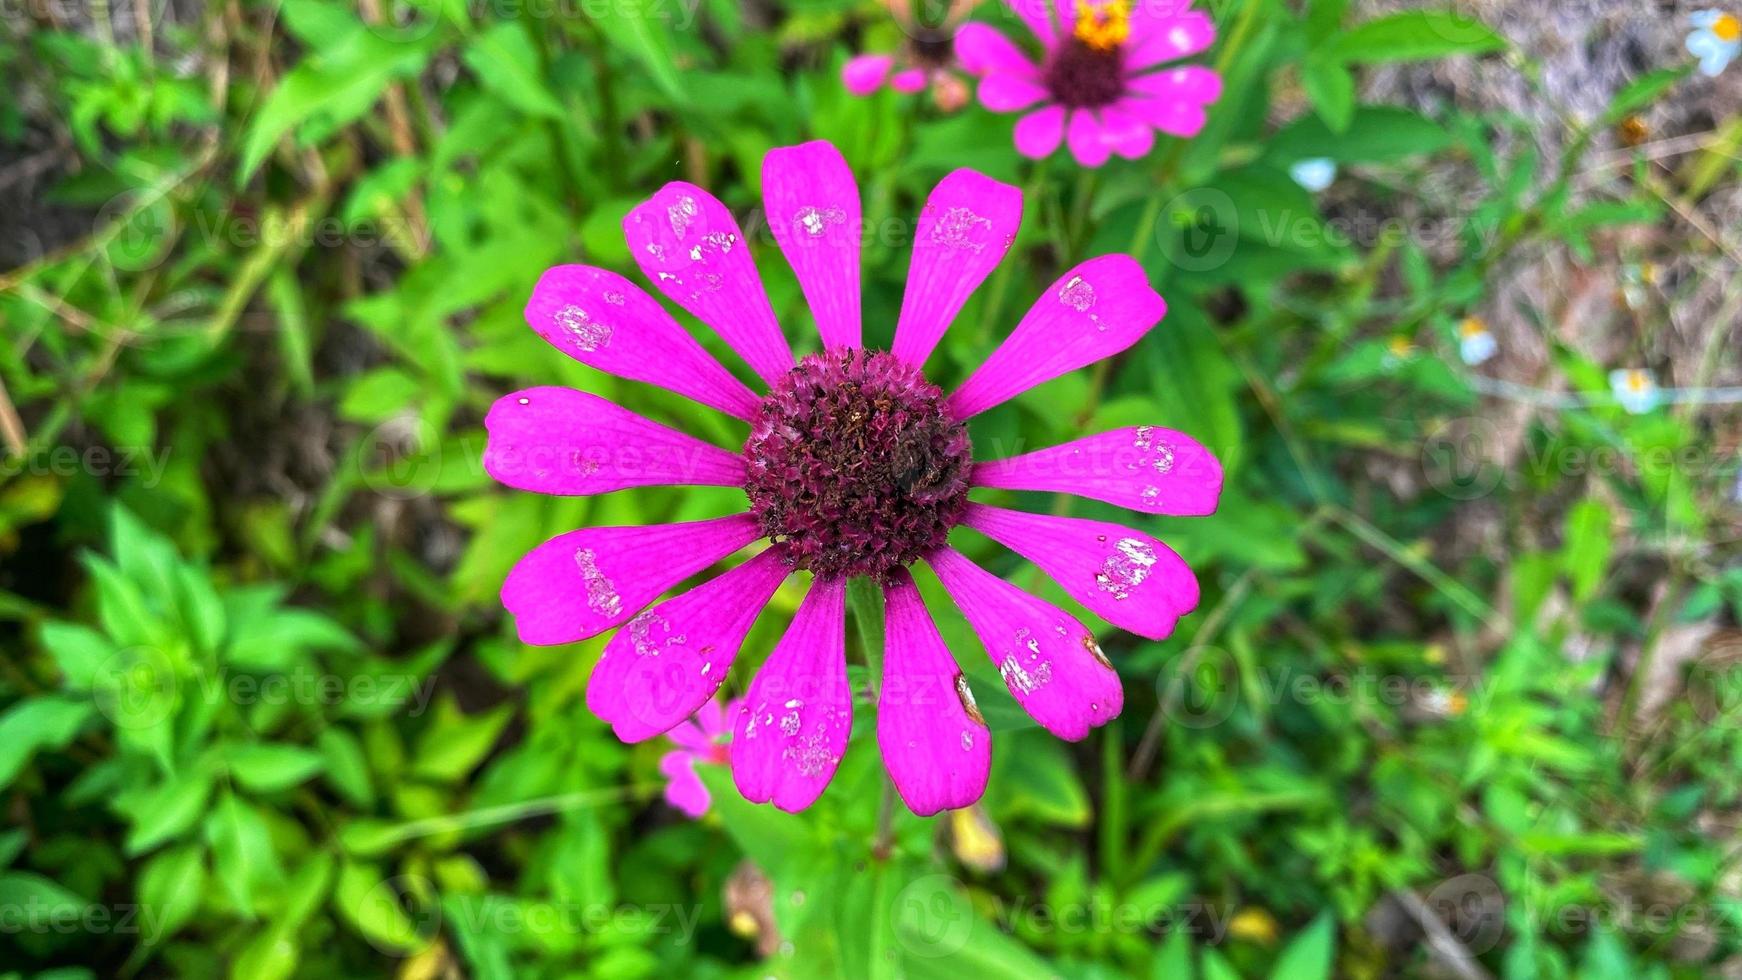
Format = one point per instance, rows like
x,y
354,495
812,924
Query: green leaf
x,y
271,955
1374,134
38,723
1331,88
1309,956
242,854
169,810
1173,960
332,87
1414,35
636,28
266,768
345,766
1589,539
170,885
37,904
295,331
507,63
1642,92
454,742
78,651
372,905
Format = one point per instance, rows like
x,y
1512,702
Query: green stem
x,y
865,599
1001,278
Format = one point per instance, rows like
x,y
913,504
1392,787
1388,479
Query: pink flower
x,y
1100,84
927,60
854,464
701,739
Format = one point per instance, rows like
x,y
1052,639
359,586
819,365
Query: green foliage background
x,y
261,714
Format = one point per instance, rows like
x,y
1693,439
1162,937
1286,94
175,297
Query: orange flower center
x,y
1103,26
1727,27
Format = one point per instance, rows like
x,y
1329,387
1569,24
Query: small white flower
x,y
1635,390
1716,40
1314,174
1475,344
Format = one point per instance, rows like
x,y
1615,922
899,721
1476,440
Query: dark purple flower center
x,y
855,466
1082,76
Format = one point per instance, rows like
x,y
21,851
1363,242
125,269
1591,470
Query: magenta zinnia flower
x,y
854,464
701,739
1100,84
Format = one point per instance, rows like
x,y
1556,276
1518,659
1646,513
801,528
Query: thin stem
x,y
865,599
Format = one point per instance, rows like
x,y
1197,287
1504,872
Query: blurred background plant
x,y
1460,699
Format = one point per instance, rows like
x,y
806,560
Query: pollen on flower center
x,y
1103,26
855,466
1727,27
1082,76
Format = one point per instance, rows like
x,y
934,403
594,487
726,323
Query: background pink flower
x,y
1100,84
926,59
701,739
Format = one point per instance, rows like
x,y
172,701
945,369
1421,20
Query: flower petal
x,y
1187,83
966,226
1040,18
582,583
909,81
684,790
571,443
1182,119
687,734
1093,311
1159,35
1050,662
1144,468
1086,140
812,204
1039,133
789,736
1123,576
934,742
667,663
1126,134
983,49
864,74
607,322
690,246
1004,92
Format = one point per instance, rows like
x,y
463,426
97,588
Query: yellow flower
x,y
1103,26
976,840
1253,925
